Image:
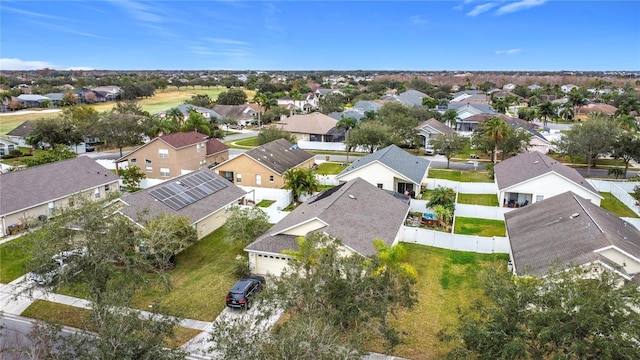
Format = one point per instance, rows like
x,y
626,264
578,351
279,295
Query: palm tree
x,y
449,117
546,110
566,111
500,105
295,95
176,115
162,125
576,99
346,124
497,130
197,122
300,181
444,216
260,99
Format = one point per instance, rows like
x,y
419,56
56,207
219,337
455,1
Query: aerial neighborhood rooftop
x,y
533,177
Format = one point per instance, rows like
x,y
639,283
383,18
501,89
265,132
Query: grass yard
x,y
447,280
426,195
265,203
13,256
200,281
79,318
249,142
615,206
10,122
478,199
480,227
330,168
461,176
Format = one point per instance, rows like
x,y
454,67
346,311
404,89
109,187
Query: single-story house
x,y
355,212
391,169
31,100
566,230
208,114
20,133
431,128
7,145
244,114
265,165
531,177
36,192
582,112
202,196
312,127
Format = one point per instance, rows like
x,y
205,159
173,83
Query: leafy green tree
x,y
444,216
449,144
449,117
300,181
232,97
196,122
202,100
270,133
626,148
567,111
576,99
244,225
57,153
616,171
332,102
429,102
546,110
131,176
517,142
347,124
166,235
574,313
527,114
121,130
162,125
500,105
443,196
589,139
370,135
497,130
399,118
130,107
57,131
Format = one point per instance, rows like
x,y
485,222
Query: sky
x,y
419,35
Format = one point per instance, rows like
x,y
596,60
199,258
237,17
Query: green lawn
x,y
480,227
13,256
330,168
478,199
265,203
615,206
461,176
78,318
246,142
446,280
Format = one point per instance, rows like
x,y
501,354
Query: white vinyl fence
x,y
281,197
479,244
482,212
620,190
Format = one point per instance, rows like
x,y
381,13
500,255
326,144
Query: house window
x,y
539,198
1,151
96,193
164,172
106,188
133,161
238,178
271,178
200,147
258,179
203,163
52,207
147,161
163,153
72,201
149,169
379,186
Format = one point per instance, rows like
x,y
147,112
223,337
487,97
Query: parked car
x,y
241,292
429,150
89,148
47,273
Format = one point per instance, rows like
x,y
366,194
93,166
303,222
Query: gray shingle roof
x,y
548,233
355,212
436,125
23,129
314,123
184,108
529,165
279,155
413,97
411,166
141,206
24,189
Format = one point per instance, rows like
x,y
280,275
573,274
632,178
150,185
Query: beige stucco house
x,y
175,154
36,192
202,196
264,166
312,127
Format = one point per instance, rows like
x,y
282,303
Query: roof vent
x,y
535,162
574,215
352,197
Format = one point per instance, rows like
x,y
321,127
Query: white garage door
x,y
270,264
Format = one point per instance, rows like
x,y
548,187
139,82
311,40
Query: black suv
x,y
243,289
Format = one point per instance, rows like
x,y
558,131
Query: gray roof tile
x,y
411,166
356,212
279,155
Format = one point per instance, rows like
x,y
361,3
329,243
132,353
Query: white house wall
x,y
374,173
549,185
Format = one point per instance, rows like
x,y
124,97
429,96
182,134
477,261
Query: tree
x,y
121,130
57,131
589,139
332,102
626,148
166,235
577,99
370,135
57,153
130,107
232,97
517,142
572,313
244,225
346,124
444,216
429,102
449,117
399,118
131,176
300,181
546,110
270,133
497,130
196,122
618,172
443,196
566,111
202,100
449,144
162,125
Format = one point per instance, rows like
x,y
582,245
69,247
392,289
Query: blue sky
x,y
544,35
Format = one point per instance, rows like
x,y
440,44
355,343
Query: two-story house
x,y
176,154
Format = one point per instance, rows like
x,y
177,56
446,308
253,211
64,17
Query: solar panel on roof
x,y
189,189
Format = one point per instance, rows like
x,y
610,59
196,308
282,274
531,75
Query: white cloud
x,y
18,64
418,19
139,11
66,29
30,13
508,52
80,68
227,41
520,5
203,50
481,9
